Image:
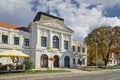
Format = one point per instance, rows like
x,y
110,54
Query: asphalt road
x,y
107,75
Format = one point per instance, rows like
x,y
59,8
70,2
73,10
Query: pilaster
x,y
21,40
50,44
70,42
61,42
37,38
10,38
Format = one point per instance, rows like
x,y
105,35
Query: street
x,y
99,76
104,75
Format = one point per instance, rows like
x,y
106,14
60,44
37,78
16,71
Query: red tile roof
x,y
11,26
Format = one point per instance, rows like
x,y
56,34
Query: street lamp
x,y
96,54
51,58
96,49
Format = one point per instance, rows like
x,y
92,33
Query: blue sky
x,y
80,15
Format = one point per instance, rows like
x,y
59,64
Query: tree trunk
x,y
105,62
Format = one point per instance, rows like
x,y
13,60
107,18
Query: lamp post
x,y
96,54
51,58
96,49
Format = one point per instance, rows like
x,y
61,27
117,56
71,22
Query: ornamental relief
x,y
66,37
43,32
54,24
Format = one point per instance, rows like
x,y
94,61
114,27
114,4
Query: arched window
x,y
55,42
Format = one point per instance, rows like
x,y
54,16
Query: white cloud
x,y
81,19
16,11
105,3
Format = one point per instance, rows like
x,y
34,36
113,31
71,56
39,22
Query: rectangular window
x,y
79,61
16,40
78,49
83,61
73,48
43,41
26,42
110,61
66,45
83,49
73,60
4,39
55,42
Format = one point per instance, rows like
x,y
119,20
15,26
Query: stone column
x,y
61,42
21,40
70,42
37,37
50,42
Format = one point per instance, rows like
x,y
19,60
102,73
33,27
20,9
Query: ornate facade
x,y
45,32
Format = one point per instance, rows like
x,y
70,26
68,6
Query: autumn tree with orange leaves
x,y
108,42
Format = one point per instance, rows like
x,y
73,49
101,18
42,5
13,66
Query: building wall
x,y
113,61
39,30
80,54
11,33
47,27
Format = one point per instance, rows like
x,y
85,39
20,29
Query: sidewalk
x,y
72,71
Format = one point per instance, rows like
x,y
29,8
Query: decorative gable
x,y
56,24
48,20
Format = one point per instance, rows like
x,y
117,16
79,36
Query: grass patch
x,y
44,71
91,69
100,68
32,72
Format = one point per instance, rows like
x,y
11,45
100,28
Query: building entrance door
x,y
44,61
67,61
56,61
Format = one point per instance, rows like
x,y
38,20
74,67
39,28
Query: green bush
x,y
28,64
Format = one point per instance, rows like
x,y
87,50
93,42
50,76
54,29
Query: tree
x,y
28,64
107,40
116,47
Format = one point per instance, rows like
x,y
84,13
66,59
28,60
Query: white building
x,y
113,60
80,54
45,32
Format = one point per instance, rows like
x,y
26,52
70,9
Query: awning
x,y
14,53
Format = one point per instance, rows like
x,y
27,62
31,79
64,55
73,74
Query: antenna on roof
x,y
48,11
